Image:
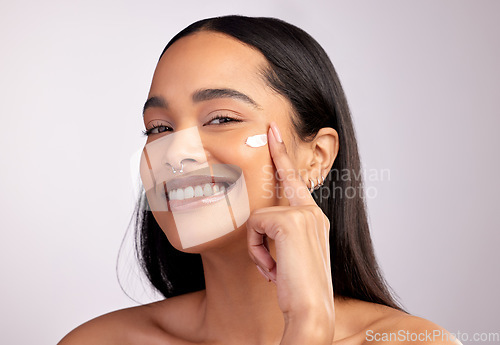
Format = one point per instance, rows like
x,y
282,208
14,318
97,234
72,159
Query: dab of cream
x,y
257,140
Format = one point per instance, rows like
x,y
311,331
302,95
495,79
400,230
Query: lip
x,y
193,203
222,173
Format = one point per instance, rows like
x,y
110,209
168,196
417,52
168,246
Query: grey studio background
x,y
422,80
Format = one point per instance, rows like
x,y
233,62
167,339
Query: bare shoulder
x,y
370,323
148,324
123,326
404,328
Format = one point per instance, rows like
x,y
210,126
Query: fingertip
x,y
272,142
272,275
276,132
270,135
264,274
276,147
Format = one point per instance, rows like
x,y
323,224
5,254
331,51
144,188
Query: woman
x,y
256,105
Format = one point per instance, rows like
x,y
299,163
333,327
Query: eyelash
x,y
149,131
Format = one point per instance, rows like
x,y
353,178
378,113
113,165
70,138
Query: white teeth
x,y
180,194
188,192
198,191
207,189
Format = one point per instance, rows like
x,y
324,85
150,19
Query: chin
x,y
229,241
204,219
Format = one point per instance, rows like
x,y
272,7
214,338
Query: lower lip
x,y
193,203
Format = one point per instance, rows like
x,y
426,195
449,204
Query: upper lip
x,y
221,173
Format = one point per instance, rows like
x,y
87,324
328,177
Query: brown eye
x,y
221,120
156,130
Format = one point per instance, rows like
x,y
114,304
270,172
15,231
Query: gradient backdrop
x,y
422,79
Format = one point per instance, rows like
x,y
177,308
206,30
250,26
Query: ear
x,y
323,151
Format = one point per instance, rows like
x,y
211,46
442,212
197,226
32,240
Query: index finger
x,y
295,189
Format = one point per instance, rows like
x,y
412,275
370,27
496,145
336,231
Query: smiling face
x,y
207,97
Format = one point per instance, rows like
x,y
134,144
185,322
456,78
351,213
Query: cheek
x,y
257,167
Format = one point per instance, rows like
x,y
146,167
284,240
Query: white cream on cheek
x,y
257,140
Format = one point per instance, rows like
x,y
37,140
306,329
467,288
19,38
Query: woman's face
x,y
182,115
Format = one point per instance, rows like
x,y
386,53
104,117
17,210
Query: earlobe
x,y
312,187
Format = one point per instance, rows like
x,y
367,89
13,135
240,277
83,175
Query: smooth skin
x,y
269,281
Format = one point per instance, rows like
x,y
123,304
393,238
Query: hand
x,y
301,270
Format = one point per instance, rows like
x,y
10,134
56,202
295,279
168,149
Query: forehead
x,y
206,59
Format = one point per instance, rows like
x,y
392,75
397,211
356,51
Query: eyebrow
x,y
203,95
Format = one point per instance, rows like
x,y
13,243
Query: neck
x,y
241,306
239,303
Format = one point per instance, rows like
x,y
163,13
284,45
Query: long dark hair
x,y
300,70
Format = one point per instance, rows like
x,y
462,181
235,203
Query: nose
x,y
184,150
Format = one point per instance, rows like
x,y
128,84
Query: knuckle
x,y
327,224
316,211
327,221
307,213
298,217
256,218
258,211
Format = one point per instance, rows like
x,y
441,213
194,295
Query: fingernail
x,y
263,273
276,132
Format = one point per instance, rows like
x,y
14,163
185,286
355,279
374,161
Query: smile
x,y
208,189
193,191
